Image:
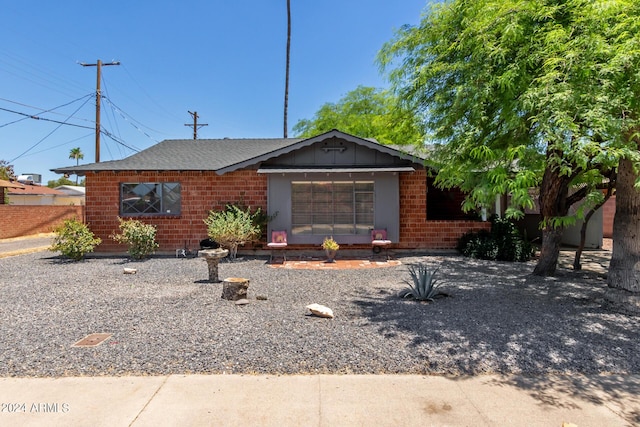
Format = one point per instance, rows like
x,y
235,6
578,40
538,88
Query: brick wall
x,y
21,220
415,230
201,192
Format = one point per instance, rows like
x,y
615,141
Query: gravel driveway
x,y
167,319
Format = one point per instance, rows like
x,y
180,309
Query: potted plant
x,y
331,247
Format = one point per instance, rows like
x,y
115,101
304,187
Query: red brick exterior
x,y
201,192
416,231
25,220
204,191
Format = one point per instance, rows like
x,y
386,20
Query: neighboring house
x,y
75,194
334,184
34,194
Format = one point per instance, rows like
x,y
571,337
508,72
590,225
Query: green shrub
x,y
233,227
502,243
140,237
74,240
422,285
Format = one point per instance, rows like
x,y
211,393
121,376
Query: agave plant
x,y
422,285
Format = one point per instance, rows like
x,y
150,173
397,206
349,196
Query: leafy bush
x,y
74,240
422,285
233,227
259,218
140,237
503,243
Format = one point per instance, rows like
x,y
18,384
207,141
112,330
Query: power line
x,y
50,133
29,116
119,141
42,111
126,117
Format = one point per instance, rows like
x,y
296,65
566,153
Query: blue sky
x,y
224,59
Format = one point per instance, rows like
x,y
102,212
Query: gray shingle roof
x,y
190,154
220,155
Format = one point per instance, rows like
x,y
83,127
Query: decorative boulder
x,y
320,311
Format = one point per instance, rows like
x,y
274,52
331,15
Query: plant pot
x,y
331,255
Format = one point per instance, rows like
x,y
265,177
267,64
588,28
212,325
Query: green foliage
x,y
259,218
503,243
6,171
511,88
518,93
60,181
140,237
422,286
368,113
329,244
233,227
74,240
77,154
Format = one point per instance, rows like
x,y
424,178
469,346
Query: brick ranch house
x,y
333,184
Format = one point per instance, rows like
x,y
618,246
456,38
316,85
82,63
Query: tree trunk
x,y
286,83
624,270
554,190
585,224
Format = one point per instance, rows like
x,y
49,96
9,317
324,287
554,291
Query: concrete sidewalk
x,y
320,400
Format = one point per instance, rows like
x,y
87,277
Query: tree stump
x,y
234,288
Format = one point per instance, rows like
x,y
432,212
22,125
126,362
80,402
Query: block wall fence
x,y
205,191
26,220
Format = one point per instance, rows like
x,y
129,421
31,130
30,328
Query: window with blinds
x,y
332,207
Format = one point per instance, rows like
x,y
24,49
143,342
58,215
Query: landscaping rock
x,y
320,311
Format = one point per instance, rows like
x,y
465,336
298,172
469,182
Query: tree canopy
x,y
366,112
6,171
521,94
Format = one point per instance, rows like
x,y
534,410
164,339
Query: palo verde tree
x,y
366,112
517,95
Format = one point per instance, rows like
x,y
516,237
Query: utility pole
x,y
99,65
195,124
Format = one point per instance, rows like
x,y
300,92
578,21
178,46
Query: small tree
x,y
232,227
140,237
74,240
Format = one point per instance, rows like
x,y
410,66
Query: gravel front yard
x,y
167,319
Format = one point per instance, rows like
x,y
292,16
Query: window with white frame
x,y
150,198
332,207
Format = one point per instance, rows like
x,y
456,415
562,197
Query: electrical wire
x,y
50,133
50,110
36,116
124,117
113,123
169,113
60,145
118,140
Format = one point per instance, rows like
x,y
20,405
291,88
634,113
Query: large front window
x,y
332,207
150,198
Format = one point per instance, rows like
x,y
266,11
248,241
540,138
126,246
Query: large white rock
x,y
320,311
